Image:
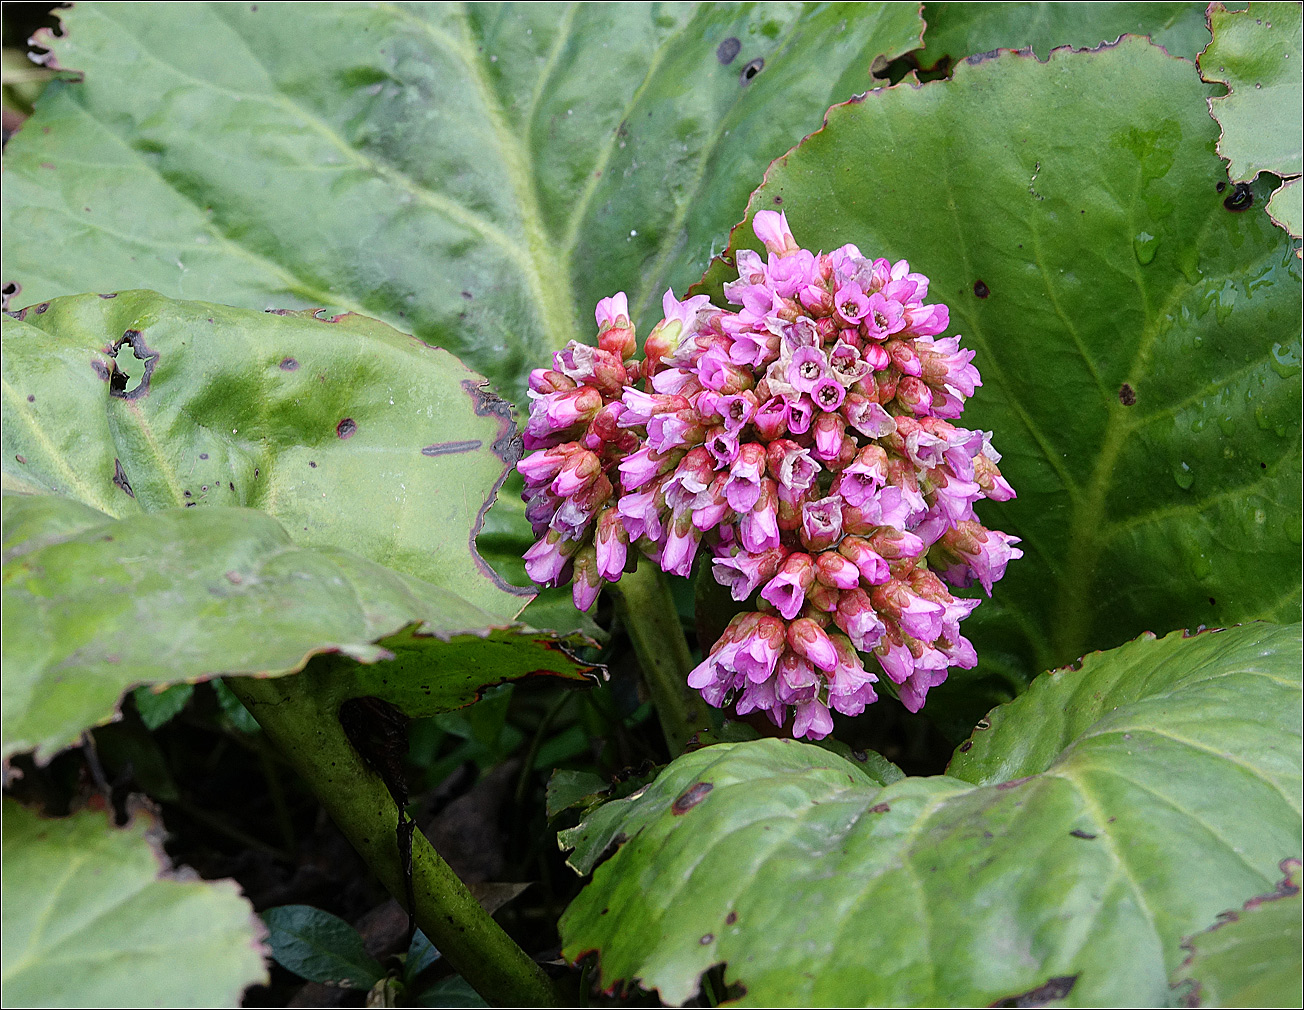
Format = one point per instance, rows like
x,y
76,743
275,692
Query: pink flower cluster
x,y
806,441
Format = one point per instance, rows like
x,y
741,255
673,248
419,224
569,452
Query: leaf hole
x,y
120,380
1240,199
750,70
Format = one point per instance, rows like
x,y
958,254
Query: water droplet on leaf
x,y
1183,475
1285,360
1145,246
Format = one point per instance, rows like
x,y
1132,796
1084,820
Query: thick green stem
x,y
300,715
647,611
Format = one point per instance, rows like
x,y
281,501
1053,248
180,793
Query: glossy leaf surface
x,y
348,432
1167,790
1249,957
320,947
94,916
476,174
95,605
1138,340
959,30
1257,54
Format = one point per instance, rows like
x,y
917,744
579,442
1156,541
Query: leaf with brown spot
x,y
1180,756
332,447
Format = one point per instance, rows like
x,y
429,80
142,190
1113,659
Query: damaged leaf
x,y
1251,956
95,605
1139,342
1257,54
350,433
95,916
1076,854
959,30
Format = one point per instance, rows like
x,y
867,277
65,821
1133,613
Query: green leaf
x,y
1133,820
420,956
95,916
190,594
350,433
568,789
958,30
157,708
1251,957
320,947
1257,54
453,991
1139,343
479,175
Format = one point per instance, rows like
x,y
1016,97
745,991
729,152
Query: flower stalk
x,y
647,612
299,714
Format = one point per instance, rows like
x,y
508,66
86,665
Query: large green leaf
x,y
95,917
1257,54
1139,342
95,605
958,30
1168,791
479,174
350,433
1249,957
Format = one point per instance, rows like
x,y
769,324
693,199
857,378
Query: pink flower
x,y
613,311
836,571
745,473
644,465
545,561
800,414
612,542
917,617
818,414
976,553
791,273
851,303
791,465
772,229
821,523
787,590
758,530
771,418
870,565
806,368
681,545
743,573
882,318
587,580
812,721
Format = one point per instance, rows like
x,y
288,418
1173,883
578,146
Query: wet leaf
x,y
1138,342
1167,789
959,30
320,947
348,432
1249,957
479,175
95,916
189,594
1257,54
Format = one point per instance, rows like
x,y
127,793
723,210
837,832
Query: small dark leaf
x,y
320,947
